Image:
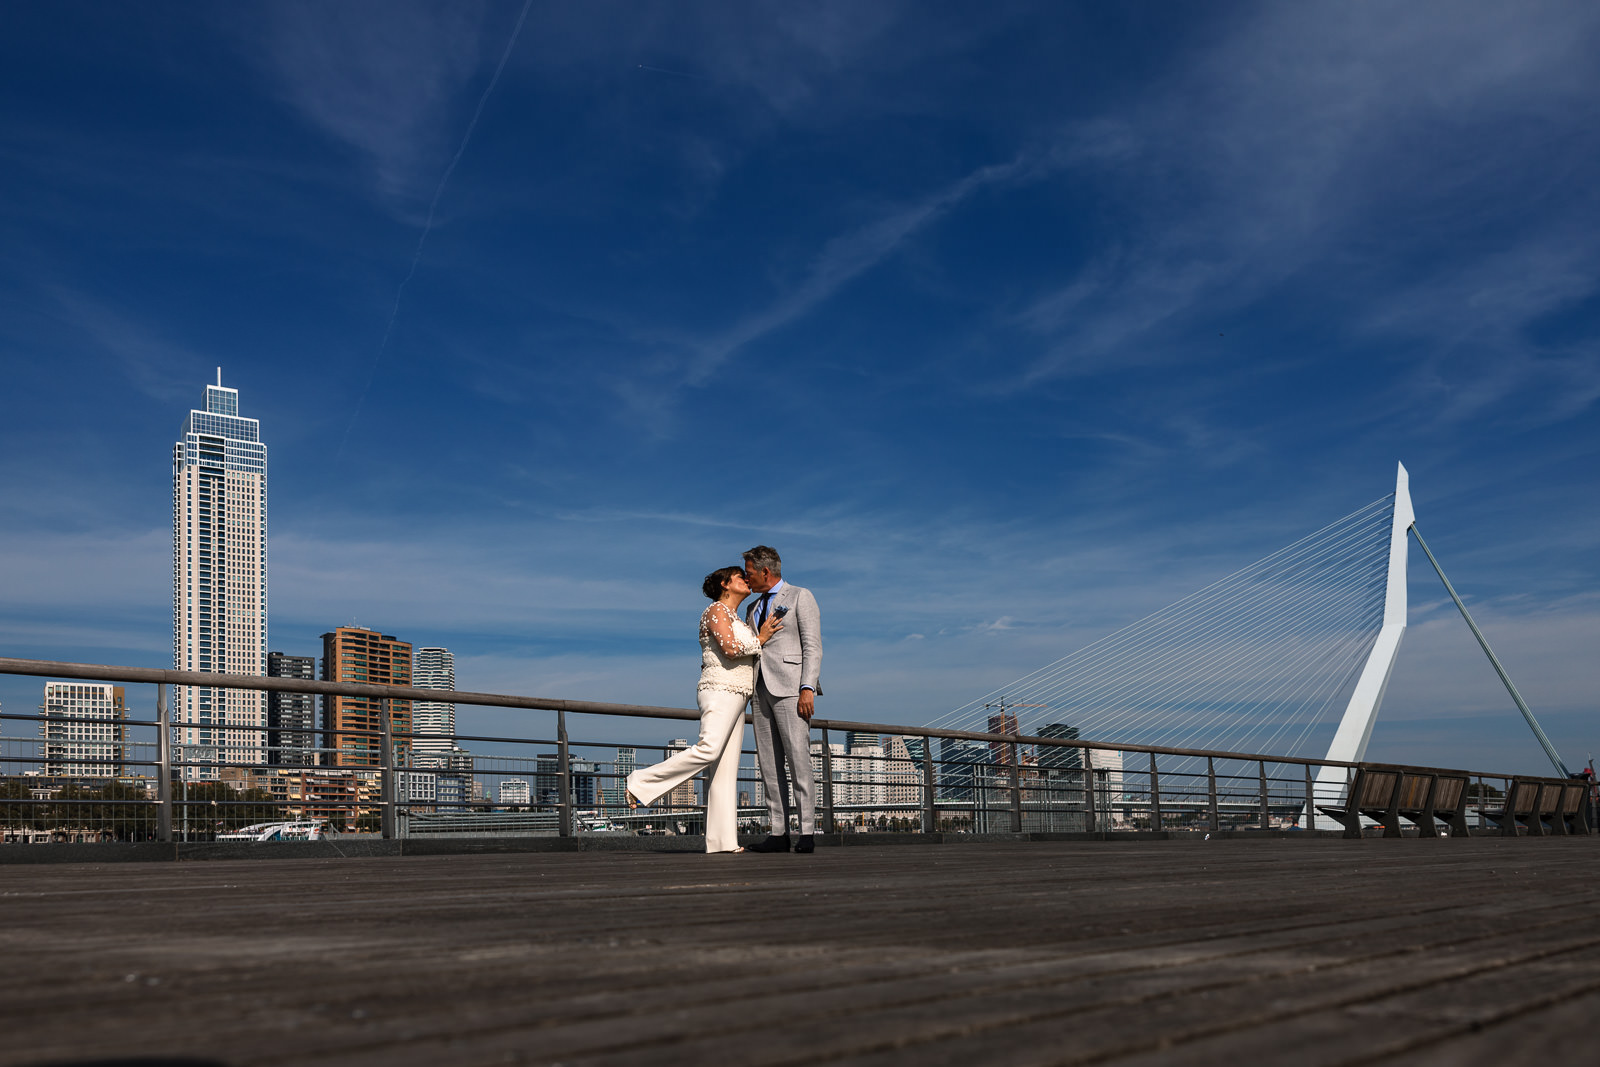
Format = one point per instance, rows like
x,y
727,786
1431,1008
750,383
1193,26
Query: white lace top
x,y
728,651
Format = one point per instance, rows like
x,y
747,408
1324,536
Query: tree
x,y
18,809
213,806
130,821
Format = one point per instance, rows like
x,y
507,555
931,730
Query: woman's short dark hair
x,y
717,580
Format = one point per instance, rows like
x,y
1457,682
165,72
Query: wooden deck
x,y
1237,952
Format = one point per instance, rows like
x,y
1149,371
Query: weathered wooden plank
x,y
948,1027
1561,1032
968,953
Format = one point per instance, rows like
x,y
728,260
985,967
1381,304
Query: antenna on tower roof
x,y
219,377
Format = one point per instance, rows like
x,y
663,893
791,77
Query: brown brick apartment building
x,y
357,654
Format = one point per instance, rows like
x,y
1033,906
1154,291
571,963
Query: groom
x,y
787,686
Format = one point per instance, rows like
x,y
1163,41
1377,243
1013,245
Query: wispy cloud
x,y
427,224
156,365
383,78
1279,152
845,258
1477,321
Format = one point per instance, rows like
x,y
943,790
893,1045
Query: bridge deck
x,y
1323,952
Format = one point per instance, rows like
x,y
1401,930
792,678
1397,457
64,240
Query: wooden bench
x,y
1388,794
1445,800
1574,814
1546,806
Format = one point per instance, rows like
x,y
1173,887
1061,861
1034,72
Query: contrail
x,y
427,227
674,73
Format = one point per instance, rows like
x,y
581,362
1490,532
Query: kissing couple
x,y
770,659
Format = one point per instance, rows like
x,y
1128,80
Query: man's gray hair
x,y
766,559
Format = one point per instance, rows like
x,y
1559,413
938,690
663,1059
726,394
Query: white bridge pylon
x,y
1355,728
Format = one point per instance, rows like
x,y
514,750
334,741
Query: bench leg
x,y
1508,816
1352,815
1424,819
1391,818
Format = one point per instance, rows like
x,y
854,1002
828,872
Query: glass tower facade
x,y
291,717
219,582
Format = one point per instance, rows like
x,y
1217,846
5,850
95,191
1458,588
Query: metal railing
x,y
164,789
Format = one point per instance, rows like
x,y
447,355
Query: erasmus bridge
x,y
1168,846
1288,656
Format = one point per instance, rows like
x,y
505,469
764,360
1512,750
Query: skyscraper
x,y
1057,761
962,765
1004,723
291,717
681,795
352,725
433,668
613,790
219,581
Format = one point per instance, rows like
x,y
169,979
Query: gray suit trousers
x,y
783,737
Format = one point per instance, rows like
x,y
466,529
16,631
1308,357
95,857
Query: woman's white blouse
x,y
718,670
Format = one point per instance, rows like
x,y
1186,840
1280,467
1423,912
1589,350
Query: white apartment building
x,y
433,668
901,776
515,791
80,749
1109,792
872,770
1108,770
613,790
682,795
418,787
219,582
858,773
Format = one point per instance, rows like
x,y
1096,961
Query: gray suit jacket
x,y
793,658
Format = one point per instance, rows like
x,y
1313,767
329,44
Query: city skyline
x,y
1021,323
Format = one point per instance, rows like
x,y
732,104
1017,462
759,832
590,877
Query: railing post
x,y
564,758
163,765
1211,793
1088,793
930,813
1016,791
980,798
1483,820
1155,795
1266,823
1311,801
386,816
827,786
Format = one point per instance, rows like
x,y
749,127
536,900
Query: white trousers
x,y
721,739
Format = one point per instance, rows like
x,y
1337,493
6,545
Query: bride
x,y
728,651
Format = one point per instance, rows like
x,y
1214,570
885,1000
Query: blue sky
x,y
1007,324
